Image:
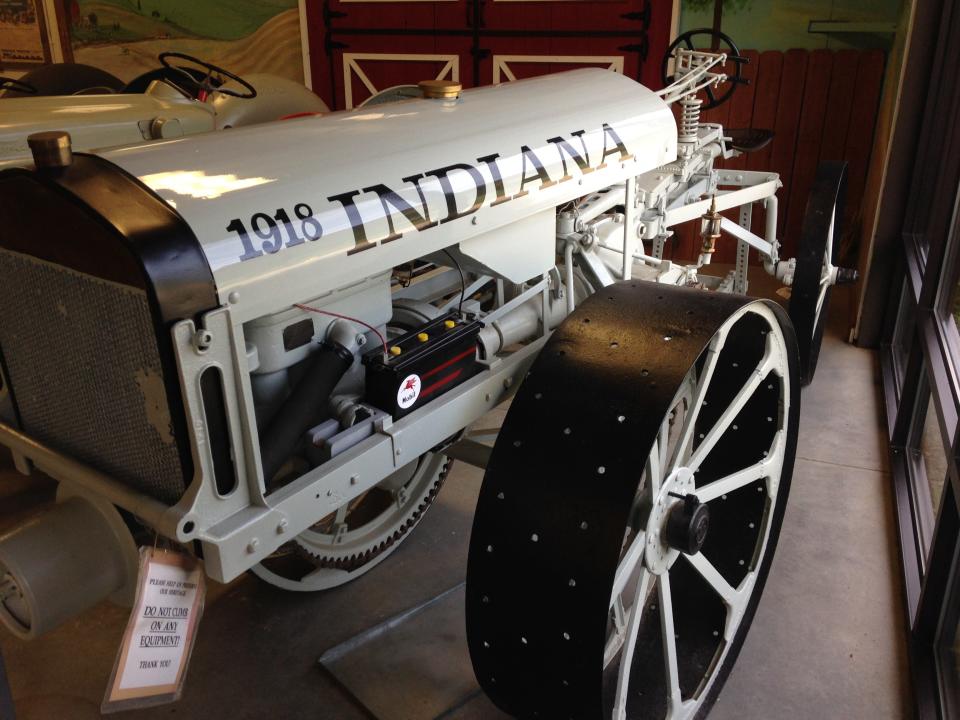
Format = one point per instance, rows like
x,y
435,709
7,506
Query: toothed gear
x,y
402,499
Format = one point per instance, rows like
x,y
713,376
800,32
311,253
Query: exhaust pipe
x,y
63,561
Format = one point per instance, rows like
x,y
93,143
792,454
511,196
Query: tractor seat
x,y
748,139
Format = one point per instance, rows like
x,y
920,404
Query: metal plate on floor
x,y
412,667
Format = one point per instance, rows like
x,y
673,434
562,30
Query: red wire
x,y
346,317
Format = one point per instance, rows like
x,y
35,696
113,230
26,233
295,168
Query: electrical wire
x,y
463,283
346,317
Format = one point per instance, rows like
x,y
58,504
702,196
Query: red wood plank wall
x,y
821,105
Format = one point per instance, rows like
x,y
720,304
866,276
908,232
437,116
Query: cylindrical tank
x,y
61,562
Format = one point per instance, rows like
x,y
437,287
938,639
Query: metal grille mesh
x,y
85,372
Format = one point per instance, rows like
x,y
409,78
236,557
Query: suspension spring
x,y
689,119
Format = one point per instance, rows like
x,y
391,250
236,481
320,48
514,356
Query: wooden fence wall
x,y
821,105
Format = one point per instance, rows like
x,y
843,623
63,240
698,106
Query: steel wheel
x,y
360,534
817,272
632,505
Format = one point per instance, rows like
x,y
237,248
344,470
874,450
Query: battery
x,y
423,364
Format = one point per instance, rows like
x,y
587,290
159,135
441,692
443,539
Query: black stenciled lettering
x,y
419,219
284,221
249,251
309,225
540,173
491,163
565,149
271,236
360,241
442,174
618,146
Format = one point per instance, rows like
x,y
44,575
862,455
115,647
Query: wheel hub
x,y
667,531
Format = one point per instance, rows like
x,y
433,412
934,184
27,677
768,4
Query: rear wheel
x,y
630,511
816,272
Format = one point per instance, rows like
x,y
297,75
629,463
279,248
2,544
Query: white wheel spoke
x,y
734,598
632,558
712,436
630,644
699,395
709,573
654,470
615,641
734,481
663,440
820,300
669,640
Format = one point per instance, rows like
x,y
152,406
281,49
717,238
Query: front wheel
x,y
631,508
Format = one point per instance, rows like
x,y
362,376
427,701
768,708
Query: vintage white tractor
x,y
266,346
184,96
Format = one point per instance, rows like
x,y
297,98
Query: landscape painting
x,y
124,37
21,34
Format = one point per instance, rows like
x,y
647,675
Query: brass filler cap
x,y
440,88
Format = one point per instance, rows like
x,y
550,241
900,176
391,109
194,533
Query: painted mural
x,y
124,37
21,37
783,24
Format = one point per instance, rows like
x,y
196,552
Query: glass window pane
x,y
934,457
903,332
948,650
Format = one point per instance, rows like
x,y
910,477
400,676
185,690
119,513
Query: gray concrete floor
x,y
828,640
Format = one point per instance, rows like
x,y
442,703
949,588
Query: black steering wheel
x,y
723,43
7,83
207,84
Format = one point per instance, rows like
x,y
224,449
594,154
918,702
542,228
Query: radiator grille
x,y
85,370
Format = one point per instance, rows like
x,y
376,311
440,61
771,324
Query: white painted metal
x,y
211,180
676,454
502,70
305,44
353,69
95,120
100,121
828,275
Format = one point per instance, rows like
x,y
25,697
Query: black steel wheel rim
x,y
563,491
819,248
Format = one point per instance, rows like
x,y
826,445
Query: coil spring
x,y
689,119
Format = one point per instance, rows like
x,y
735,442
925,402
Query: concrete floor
x,y
828,640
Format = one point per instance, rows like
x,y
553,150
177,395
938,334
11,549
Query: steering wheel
x,y
206,85
686,40
7,83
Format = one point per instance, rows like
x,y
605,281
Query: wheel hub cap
x,y
660,553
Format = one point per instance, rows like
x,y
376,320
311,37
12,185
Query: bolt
x,y
281,527
847,276
252,546
353,479
234,297
202,340
474,221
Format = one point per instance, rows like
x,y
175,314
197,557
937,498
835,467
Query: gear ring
x,y
320,564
